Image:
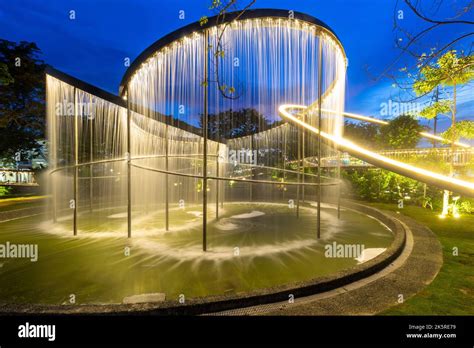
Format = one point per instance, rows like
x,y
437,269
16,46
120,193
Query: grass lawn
x,y
452,292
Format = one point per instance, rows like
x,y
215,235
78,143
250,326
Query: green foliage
x,y
222,7
4,191
22,111
377,185
449,70
5,77
403,132
366,134
466,206
428,80
235,123
437,108
431,161
461,129
215,4
227,89
219,53
203,20
381,186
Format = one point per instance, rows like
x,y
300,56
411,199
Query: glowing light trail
x,y
423,175
384,123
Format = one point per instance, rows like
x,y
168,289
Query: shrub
x,y
377,185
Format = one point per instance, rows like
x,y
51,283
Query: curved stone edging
x,y
257,297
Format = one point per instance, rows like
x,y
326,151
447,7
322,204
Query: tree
x,y
22,94
449,72
366,134
221,8
233,124
5,77
403,132
410,41
434,28
427,27
462,129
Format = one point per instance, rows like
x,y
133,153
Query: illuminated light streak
x,y
384,123
423,175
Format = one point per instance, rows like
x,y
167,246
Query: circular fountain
x,y
190,184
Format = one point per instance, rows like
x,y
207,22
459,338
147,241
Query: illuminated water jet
x,y
153,151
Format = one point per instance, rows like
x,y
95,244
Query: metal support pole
x,y
204,125
91,158
76,162
339,184
299,174
251,169
54,192
285,144
303,154
320,85
435,120
217,182
129,168
222,184
167,211
54,155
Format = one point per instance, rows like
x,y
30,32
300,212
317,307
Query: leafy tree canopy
x,y
5,77
22,94
461,129
366,134
437,108
403,132
235,123
450,69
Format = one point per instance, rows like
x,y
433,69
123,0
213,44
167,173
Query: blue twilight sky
x,y
93,46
